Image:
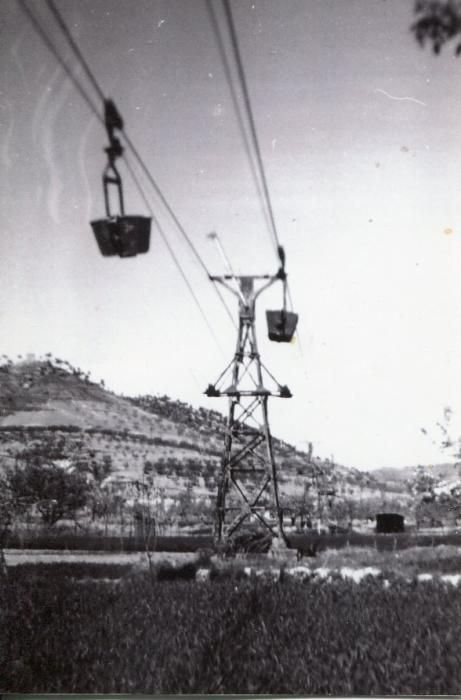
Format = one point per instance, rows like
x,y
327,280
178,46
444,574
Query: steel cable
x,y
170,250
257,169
251,120
55,52
59,19
237,108
52,48
62,24
169,209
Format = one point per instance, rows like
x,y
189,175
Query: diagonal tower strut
x,y
247,486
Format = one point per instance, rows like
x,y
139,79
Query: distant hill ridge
x,y
27,385
403,474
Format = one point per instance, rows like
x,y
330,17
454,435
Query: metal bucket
x,y
281,325
125,236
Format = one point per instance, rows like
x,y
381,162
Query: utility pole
x,y
247,487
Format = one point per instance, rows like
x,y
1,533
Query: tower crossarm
x,y
244,287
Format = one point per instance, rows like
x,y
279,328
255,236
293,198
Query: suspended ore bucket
x,y
125,236
281,325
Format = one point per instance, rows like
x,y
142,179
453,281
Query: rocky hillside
x,y
51,409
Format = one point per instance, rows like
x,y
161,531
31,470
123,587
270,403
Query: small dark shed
x,y
390,522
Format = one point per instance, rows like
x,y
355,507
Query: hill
x,y
51,409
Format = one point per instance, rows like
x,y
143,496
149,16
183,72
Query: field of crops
x,y
66,632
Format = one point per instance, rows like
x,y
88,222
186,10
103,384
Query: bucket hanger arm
x,y
282,275
113,121
114,150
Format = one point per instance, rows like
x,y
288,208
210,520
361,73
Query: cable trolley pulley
x,y
281,325
118,234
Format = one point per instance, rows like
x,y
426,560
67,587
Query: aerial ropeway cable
x,y
173,255
210,5
119,234
75,48
54,51
115,235
281,323
251,121
129,235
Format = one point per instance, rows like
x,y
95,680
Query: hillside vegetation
x,y
53,413
51,396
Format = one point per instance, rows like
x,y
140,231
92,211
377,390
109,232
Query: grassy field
x,y
409,562
86,629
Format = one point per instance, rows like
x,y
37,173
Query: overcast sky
x,y
360,135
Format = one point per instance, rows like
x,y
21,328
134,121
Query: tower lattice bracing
x,y
247,487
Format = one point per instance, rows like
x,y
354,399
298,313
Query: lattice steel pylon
x,y
248,468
